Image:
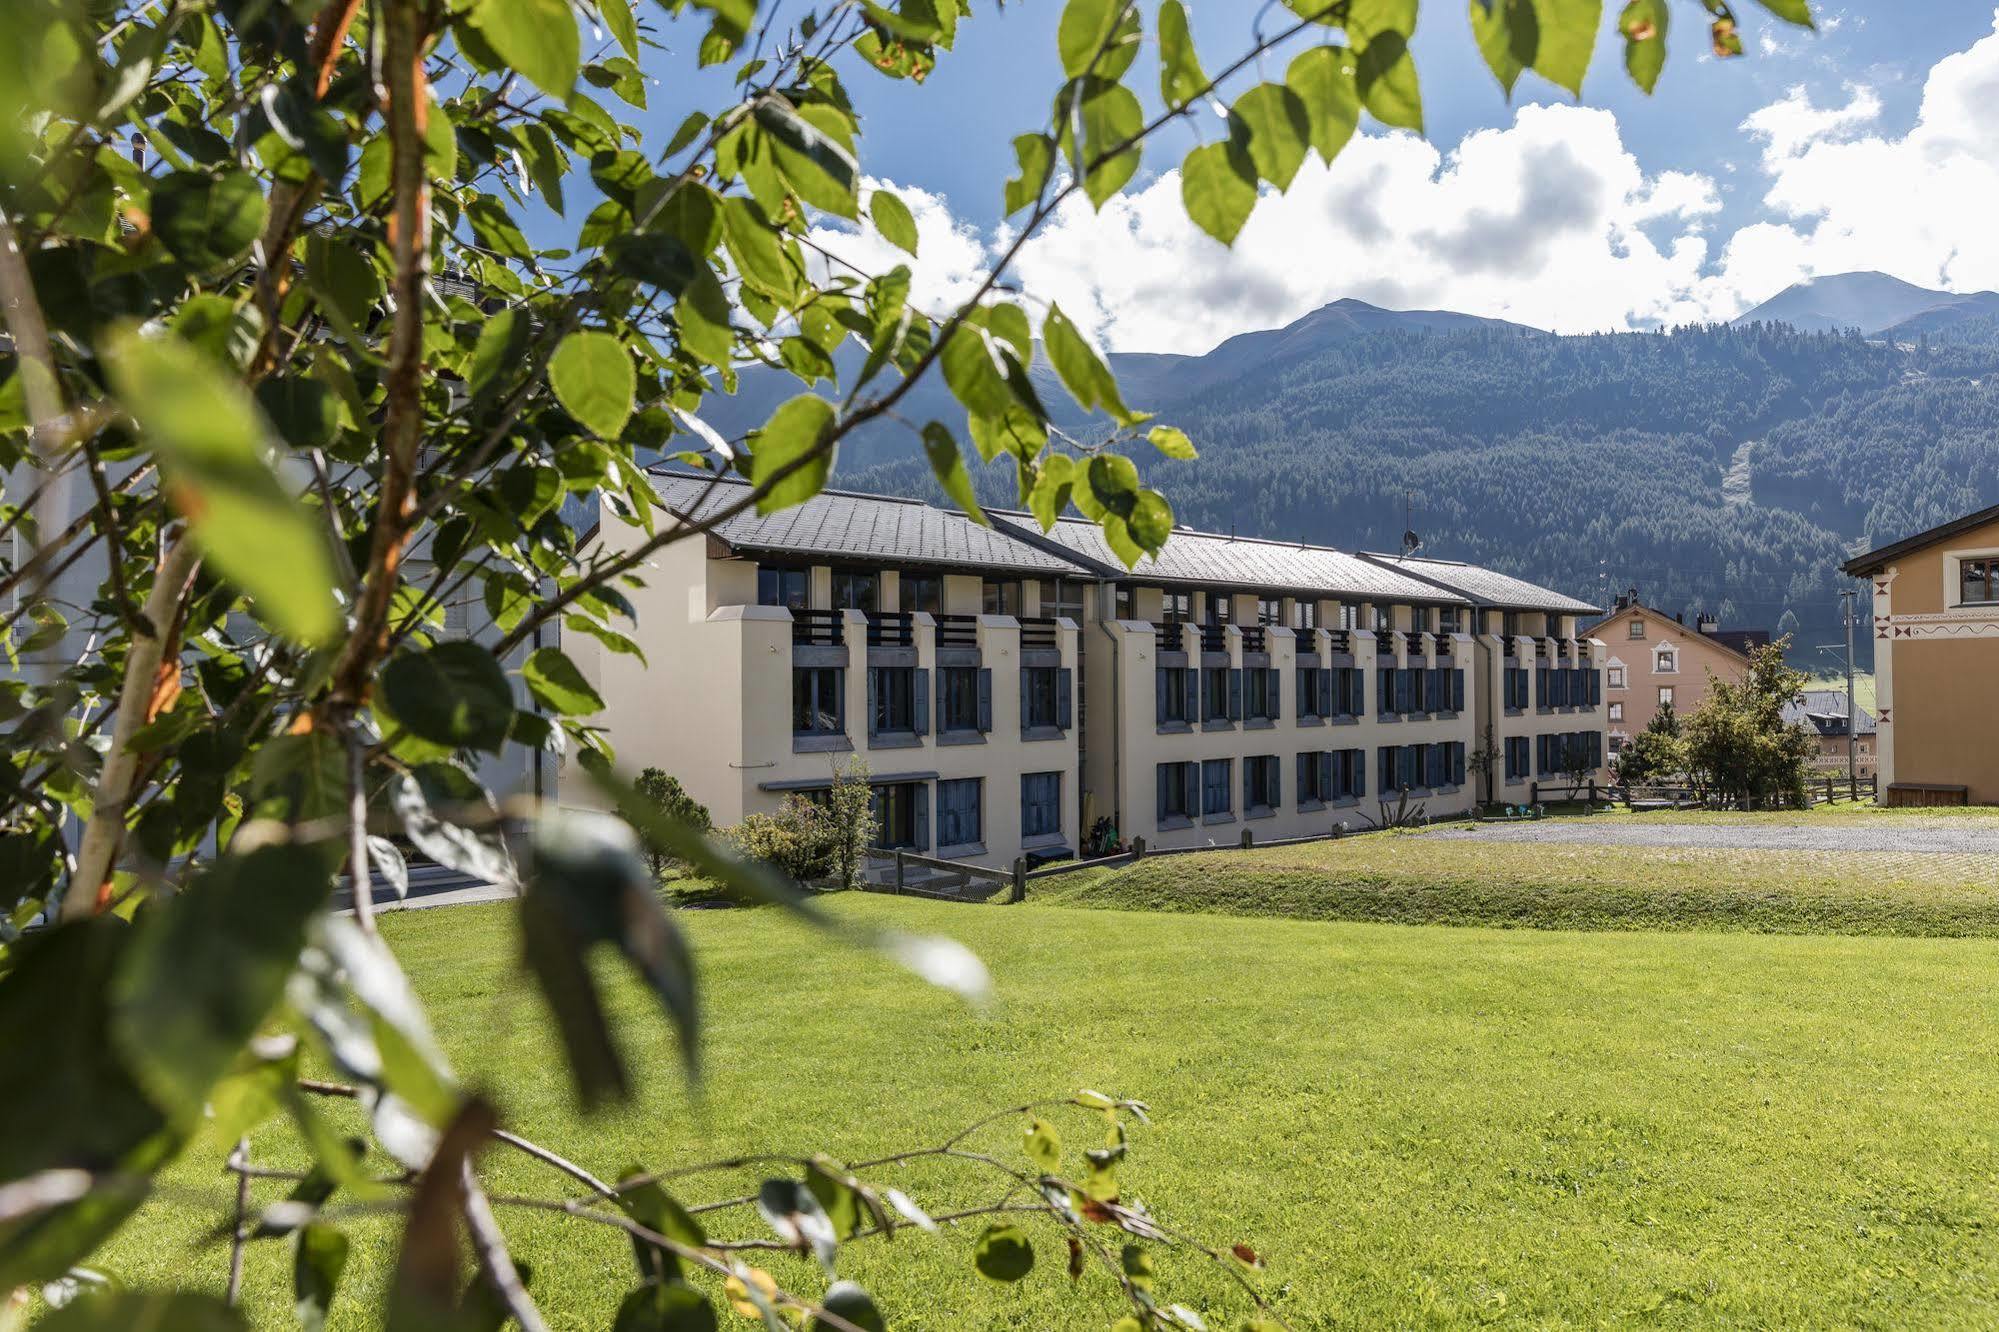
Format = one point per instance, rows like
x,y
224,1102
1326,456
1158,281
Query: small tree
x,y
663,791
1484,761
1576,766
850,807
1738,743
1655,752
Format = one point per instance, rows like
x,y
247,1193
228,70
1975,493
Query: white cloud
x,y
1550,221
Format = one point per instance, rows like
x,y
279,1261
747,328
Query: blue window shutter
x,y
1247,765
1301,697
923,816
1304,761
1357,683
1063,713
1160,683
874,709
919,695
1276,783
1207,692
1235,695
1457,691
1191,682
1458,763
1024,678
1384,762
1163,773
1325,692
1190,787
1359,771
1326,791
985,700
1275,693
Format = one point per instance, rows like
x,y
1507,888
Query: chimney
x,y
1707,624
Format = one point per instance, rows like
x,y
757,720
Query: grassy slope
x,y
1416,879
1420,1127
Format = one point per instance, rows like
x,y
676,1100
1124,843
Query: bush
x,y
798,840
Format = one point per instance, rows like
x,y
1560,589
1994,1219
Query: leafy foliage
x,y
1738,744
288,383
663,790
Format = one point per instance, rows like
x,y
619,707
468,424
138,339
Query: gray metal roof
x,y
1485,587
1251,564
1825,711
837,524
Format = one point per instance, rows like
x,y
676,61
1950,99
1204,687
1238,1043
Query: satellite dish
x,y
1410,543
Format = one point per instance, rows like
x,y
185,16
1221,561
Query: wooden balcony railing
x,y
1214,638
957,631
1254,639
820,628
891,629
1169,636
1038,632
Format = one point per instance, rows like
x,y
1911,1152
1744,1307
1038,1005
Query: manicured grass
x,y
1417,878
1434,1127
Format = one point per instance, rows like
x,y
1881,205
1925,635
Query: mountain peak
x,y
1873,302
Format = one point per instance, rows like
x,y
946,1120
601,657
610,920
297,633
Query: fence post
x,y
1138,848
1534,792
1248,838
1853,786
1019,893
898,871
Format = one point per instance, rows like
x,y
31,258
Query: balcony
x,y
891,629
818,628
1214,638
1341,639
1170,636
1254,639
1038,632
957,631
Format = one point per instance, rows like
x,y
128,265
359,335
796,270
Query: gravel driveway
x,y
1917,835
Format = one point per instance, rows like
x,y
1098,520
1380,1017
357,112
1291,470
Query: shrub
x,y
662,789
798,840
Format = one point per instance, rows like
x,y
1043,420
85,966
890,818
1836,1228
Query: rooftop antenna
x,y
1410,541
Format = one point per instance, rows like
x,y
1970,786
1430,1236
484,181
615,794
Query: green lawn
x,y
1427,1126
1420,879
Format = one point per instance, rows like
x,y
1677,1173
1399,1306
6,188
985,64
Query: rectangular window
x,y
782,587
1041,804
1062,596
1616,677
817,706
958,812
1176,607
1269,610
895,810
1039,697
1314,771
1666,662
965,698
1179,790
1260,788
1617,712
1175,702
1384,619
1978,580
1666,696
1308,615
1312,683
923,592
1349,773
1261,689
1349,616
1124,599
1516,757
1447,620
1221,608
1217,683
1510,624
853,590
894,698
1636,629
1001,597
1215,775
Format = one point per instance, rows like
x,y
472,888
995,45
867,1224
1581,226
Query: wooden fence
x,y
1826,790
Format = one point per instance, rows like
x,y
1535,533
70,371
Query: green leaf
x,y
208,222
892,219
1085,30
948,464
537,38
657,1210
1791,11
796,431
453,694
1053,482
819,168
554,679
1036,155
1150,521
207,968
500,352
212,447
702,313
618,18
1278,130
1082,371
665,1307
316,1269
1003,1253
143,1311
1043,1145
1323,78
762,253
1110,115
1554,38
975,372
1384,71
347,285
1172,442
1218,189
587,884
592,375
844,1298
1643,26
1180,76
82,1110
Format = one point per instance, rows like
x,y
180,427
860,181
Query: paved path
x,y
430,886
1909,836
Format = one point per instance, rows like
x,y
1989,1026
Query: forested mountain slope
x,y
1724,467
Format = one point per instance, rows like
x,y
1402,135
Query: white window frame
x,y
1666,696
1666,659
1953,579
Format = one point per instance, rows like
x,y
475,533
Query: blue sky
x,y
1736,178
